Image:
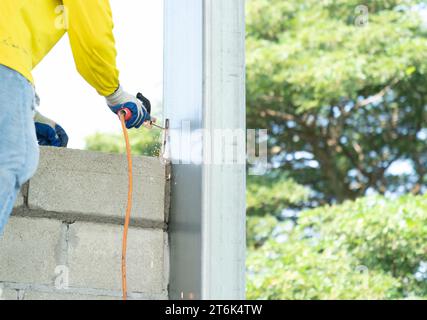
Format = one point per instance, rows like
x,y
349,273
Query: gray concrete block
x,y
94,184
36,295
19,201
66,295
27,250
8,294
94,258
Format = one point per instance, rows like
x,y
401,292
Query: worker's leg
x,y
19,151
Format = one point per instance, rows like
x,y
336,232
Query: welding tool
x,y
121,100
125,114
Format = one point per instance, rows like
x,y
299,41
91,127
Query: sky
x,y
67,99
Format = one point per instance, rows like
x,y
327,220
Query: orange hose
x,y
128,208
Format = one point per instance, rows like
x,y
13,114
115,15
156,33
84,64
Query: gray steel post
x,y
204,89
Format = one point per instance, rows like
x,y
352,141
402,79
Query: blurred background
x,y
341,87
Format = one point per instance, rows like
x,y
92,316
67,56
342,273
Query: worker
x,y
28,31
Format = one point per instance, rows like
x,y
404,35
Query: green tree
x,y
371,248
143,142
266,198
342,92
343,100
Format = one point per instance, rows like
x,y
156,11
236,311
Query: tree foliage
x,y
271,194
266,198
143,142
371,248
343,93
343,101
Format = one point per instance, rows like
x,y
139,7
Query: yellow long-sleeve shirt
x,y
29,29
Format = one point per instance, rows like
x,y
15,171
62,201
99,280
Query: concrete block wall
x,y
64,238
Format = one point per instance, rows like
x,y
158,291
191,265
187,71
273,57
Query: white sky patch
x,y
400,167
69,100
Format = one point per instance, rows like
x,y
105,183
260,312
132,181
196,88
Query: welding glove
x,y
49,133
139,106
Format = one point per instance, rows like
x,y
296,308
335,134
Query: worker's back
x,y
28,31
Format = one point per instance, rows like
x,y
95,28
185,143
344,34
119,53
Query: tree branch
x,y
376,97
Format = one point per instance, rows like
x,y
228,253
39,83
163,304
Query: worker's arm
x,y
90,29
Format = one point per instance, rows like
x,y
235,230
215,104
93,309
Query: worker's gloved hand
x,y
140,107
49,133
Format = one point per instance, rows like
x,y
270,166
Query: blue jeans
x,y
19,151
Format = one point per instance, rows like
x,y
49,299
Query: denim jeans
x,y
19,151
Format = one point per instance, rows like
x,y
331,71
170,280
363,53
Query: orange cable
x,y
128,208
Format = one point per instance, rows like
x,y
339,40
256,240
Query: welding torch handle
x,y
126,112
128,115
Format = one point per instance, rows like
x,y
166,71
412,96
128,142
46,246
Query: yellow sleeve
x,y
90,29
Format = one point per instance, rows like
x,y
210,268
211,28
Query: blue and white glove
x,y
49,133
140,108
